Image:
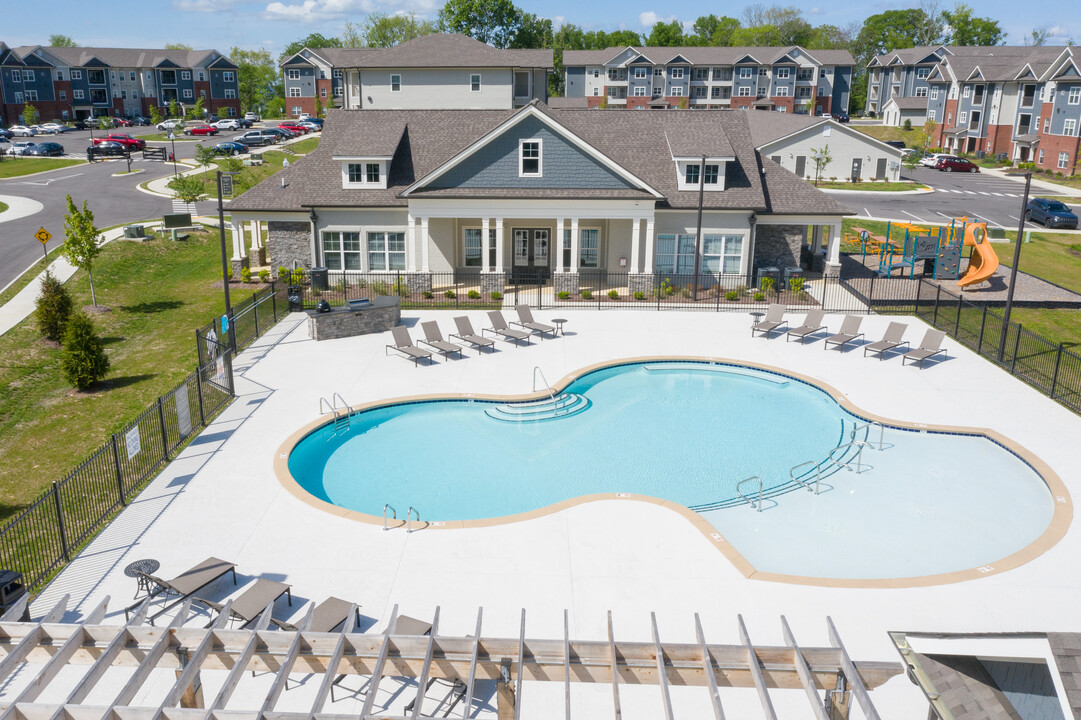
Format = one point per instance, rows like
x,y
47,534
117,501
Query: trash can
x,y
12,587
319,278
296,298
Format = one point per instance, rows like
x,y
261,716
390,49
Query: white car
x,y
21,131
52,128
226,124
20,148
170,124
310,126
251,117
932,160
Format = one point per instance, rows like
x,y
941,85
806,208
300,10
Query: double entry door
x,y
531,253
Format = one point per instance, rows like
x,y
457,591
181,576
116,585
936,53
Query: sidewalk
x,y
1039,187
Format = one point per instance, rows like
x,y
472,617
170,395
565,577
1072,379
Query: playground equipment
x,y
941,251
984,261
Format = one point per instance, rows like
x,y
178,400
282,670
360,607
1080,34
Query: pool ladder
x,y
341,413
410,514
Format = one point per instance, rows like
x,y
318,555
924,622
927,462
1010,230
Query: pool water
x,y
689,432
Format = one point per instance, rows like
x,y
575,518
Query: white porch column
x,y
425,240
499,267
410,243
238,240
636,232
574,244
649,245
558,245
256,235
485,247
816,238
834,253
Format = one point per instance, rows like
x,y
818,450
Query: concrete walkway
x,y
19,207
1039,187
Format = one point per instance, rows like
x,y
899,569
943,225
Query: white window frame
x,y
185,74
474,82
675,73
60,76
784,73
294,92
921,92
1040,159
962,118
934,93
1069,127
386,251
640,73
18,96
1046,125
521,158
746,72
744,91
658,72
336,74
339,255
677,91
292,74
466,230
596,92
640,91
230,94
923,72
1075,96
31,96
364,170
322,92
338,91
966,91
28,75
63,95
77,94
397,82
76,74
782,91
1063,160
187,94
228,76
297,110
737,255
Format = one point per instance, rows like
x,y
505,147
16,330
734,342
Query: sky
x,y
273,24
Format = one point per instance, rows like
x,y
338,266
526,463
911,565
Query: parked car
x,y
243,122
255,138
201,130
956,164
6,134
126,140
841,117
107,148
280,133
899,144
21,131
227,124
932,159
1050,213
46,149
294,127
170,124
139,120
251,117
20,148
230,147
52,128
5,145
309,126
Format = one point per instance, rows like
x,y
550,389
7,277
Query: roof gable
x,y
95,61
677,59
746,59
222,63
622,56
166,63
932,58
297,59
1069,70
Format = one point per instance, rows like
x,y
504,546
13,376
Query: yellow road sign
x,y
42,235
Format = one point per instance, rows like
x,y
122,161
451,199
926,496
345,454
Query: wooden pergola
x,y
828,676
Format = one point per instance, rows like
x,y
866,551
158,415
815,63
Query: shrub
x,y
53,307
666,287
450,294
283,273
83,360
768,284
563,295
427,295
684,292
587,294
473,295
907,125
639,295
496,295
264,276
731,295
245,275
795,284
297,276
759,297
613,294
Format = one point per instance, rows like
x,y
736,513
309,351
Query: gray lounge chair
x,y
252,602
525,319
433,338
811,324
187,583
891,339
500,329
930,346
774,319
466,334
849,332
404,344
327,616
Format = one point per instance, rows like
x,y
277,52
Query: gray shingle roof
x,y
437,50
707,55
634,140
124,57
996,63
909,103
769,126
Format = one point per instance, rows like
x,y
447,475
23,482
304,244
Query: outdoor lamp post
x,y
172,140
1013,267
225,271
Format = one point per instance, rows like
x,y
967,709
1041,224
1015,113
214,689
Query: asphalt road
x,y
987,196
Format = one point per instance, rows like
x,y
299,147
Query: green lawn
x,y
28,276
159,292
3,207
249,177
913,138
17,166
871,186
180,137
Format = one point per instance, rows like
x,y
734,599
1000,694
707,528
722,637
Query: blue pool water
x,y
688,432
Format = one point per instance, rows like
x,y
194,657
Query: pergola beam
x,y
662,672
422,681
852,674
614,662
804,673
474,653
707,666
281,679
756,672
150,660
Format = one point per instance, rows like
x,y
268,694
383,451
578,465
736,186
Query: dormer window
x,y
712,174
529,158
363,173
691,174
694,174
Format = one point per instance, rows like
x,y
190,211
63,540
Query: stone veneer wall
x,y
288,242
778,246
347,323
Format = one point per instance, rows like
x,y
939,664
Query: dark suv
x,y
1050,213
955,164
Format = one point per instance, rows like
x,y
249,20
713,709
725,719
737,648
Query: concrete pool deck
x,y
221,498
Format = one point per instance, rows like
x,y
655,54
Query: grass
x,y
159,292
18,166
180,137
25,279
875,186
3,207
914,138
249,177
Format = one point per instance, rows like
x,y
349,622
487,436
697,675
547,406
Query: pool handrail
x,y
818,474
859,444
868,425
536,369
394,515
757,507
341,413
409,518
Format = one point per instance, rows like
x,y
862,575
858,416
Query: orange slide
x,y
983,262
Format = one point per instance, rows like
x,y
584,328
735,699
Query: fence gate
x,y
215,358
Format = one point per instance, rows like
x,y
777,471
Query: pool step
x,y
560,406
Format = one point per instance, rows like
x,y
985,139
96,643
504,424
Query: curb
x,y
66,167
877,193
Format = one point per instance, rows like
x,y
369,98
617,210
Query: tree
x,y
320,110
965,29
187,188
155,115
715,31
930,129
664,34
83,360
619,38
1038,37
533,32
205,154
174,108
822,158
62,41
177,46
381,30
81,246
30,114
256,77
52,307
495,22
315,40
195,112
351,36
889,31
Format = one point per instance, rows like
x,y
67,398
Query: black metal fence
x,y
47,533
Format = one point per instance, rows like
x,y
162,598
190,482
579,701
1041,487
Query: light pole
x,y
172,139
1013,267
225,271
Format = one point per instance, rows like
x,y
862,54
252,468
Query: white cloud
x,y
310,11
649,18
202,5
815,11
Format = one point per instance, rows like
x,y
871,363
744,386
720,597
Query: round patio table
x,y
559,324
139,570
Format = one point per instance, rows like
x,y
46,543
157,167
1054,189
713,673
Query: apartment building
x,y
1020,103
784,79
72,83
440,71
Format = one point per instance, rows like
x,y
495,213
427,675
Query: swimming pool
x,y
689,432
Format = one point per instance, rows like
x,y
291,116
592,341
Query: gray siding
x,y
563,164
842,89
1063,111
306,83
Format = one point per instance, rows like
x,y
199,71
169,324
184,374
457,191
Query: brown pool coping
x,y
1055,531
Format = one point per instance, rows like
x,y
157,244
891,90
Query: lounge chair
x,y
525,320
433,338
187,583
404,344
849,332
327,616
500,329
811,324
891,339
466,334
252,602
930,346
774,319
